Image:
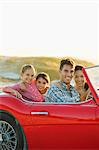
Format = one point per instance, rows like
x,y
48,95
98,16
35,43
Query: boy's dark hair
x,y
66,62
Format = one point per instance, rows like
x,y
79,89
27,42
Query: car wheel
x,y
10,134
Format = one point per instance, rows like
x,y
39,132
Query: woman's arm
x,y
83,95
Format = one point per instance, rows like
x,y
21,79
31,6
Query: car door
x,y
64,126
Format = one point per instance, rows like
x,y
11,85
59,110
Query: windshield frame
x,y
90,78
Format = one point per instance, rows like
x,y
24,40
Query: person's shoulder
x,y
56,83
16,84
20,83
73,88
33,81
53,86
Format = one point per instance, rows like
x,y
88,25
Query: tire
x,y
10,134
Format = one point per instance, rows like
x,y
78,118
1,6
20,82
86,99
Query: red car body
x,y
54,126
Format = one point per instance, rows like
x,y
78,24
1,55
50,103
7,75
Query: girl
x,y
42,82
26,89
80,84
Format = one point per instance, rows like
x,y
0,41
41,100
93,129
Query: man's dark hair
x,y
66,62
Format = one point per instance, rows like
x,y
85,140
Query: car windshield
x,y
93,74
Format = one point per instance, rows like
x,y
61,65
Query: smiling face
x,y
66,74
79,78
41,84
27,76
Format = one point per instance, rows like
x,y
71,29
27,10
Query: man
x,y
61,90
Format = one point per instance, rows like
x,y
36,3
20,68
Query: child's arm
x,y
12,92
23,87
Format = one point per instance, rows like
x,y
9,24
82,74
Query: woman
x,y
80,84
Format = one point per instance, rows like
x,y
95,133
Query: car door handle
x,y
39,113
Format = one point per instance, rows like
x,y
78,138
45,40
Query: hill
x,y
10,66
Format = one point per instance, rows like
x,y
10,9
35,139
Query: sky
x,y
50,28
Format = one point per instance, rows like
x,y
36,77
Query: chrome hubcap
x,y
8,138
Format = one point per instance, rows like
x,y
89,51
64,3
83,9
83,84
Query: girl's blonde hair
x,y
26,67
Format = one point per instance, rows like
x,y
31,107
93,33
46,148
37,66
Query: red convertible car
x,y
43,126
